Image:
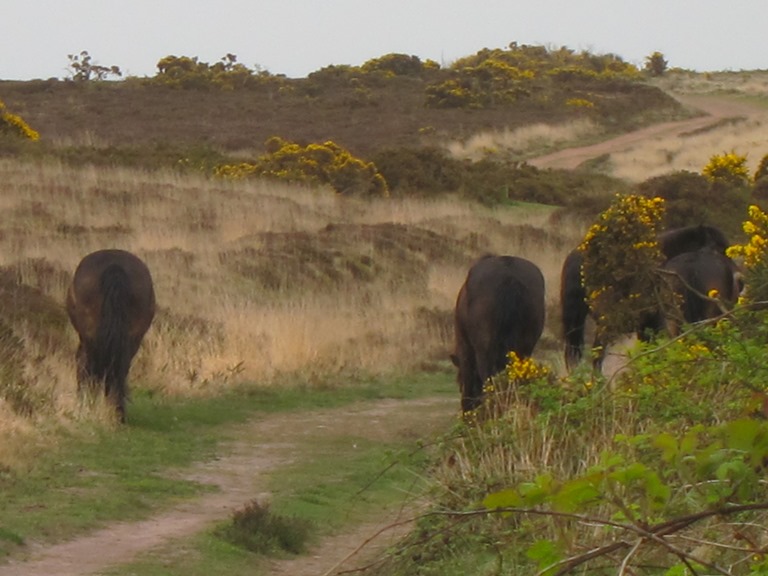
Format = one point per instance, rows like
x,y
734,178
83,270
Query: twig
x,y
628,557
364,544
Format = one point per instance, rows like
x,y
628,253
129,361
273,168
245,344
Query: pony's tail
x,y
112,351
574,317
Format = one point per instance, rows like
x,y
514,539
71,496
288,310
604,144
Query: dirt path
x,y
714,110
241,475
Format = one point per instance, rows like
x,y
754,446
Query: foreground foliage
x,y
659,469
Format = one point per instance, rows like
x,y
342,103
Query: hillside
x,y
390,102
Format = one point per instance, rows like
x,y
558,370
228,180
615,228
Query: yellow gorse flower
x,y
524,369
753,252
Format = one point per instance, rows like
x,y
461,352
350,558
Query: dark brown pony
x,y
573,296
111,303
694,276
500,308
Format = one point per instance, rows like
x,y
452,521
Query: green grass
x,y
335,481
100,474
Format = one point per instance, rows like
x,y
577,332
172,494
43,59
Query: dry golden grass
x,y
254,280
524,141
692,151
736,98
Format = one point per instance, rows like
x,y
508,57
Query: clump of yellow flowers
x,y
620,257
756,228
14,124
524,369
753,254
729,166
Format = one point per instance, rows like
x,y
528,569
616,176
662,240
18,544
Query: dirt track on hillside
x,y
713,109
240,475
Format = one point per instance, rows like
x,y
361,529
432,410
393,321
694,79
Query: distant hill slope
x,y
365,118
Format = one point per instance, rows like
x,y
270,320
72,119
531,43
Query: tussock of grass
x,y
257,529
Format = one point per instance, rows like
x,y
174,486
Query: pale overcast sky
x,y
296,37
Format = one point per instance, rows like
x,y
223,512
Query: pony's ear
x,y
455,360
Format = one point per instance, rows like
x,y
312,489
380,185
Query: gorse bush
x,y
754,254
491,83
691,199
227,74
326,163
15,125
621,256
498,77
399,65
729,166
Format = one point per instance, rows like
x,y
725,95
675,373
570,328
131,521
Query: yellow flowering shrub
x,y
753,254
14,124
501,394
326,163
620,259
730,167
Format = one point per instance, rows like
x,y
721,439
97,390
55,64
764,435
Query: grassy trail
x,y
321,464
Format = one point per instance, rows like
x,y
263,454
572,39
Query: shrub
x,y
621,256
397,65
426,171
692,199
227,74
754,254
84,69
15,125
656,64
729,167
257,529
762,169
326,163
760,192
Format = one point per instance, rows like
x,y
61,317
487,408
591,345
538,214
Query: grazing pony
x,y
573,296
111,304
500,308
706,281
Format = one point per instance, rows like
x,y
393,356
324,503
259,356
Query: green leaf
x,y
574,495
741,434
544,552
677,570
628,474
668,446
658,492
507,498
533,494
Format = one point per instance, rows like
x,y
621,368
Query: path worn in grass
x,y
240,475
